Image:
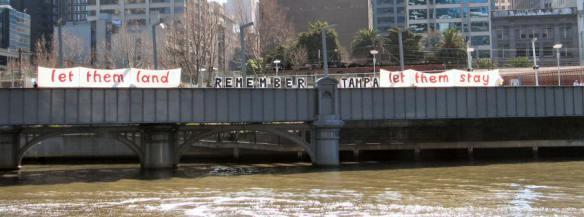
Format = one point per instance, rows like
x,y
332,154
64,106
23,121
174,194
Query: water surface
x,y
517,189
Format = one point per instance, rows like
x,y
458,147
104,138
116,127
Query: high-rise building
x,y
471,17
350,16
14,32
388,14
41,17
514,30
106,17
70,10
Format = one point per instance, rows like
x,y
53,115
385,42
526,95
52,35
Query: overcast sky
x,y
220,1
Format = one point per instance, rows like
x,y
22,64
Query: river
x,y
283,189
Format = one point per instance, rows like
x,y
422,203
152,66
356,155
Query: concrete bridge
x,y
160,124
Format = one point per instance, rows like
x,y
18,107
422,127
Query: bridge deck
x,y
144,106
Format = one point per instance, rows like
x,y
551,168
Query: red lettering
x,y
443,78
62,77
53,75
118,78
138,76
107,77
433,79
88,75
164,78
70,76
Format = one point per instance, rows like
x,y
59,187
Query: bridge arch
x,y
182,147
39,137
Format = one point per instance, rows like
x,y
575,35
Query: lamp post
x,y
535,66
242,52
558,47
374,52
469,51
324,50
401,48
157,22
277,62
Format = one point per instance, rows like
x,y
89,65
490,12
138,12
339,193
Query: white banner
x,y
451,78
114,78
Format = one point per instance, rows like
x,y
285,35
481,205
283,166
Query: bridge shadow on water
x,y
51,174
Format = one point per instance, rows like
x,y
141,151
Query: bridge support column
x,y
9,150
159,148
328,124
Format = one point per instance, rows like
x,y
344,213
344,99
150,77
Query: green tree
x,y
519,62
365,41
412,46
485,63
311,40
452,48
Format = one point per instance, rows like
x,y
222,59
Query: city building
x,y
70,10
350,16
41,17
470,17
503,4
14,32
106,17
513,31
388,14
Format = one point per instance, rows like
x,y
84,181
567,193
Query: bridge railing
x,y
143,106
460,103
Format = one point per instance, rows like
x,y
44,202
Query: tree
x,y
452,48
519,62
411,45
312,41
485,63
273,27
193,41
365,41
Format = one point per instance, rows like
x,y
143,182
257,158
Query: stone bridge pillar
x,y
328,124
9,149
159,145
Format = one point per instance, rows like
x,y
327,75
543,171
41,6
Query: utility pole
x,y
401,49
60,38
242,53
324,52
535,67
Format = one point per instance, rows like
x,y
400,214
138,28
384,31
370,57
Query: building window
x,y
449,1
480,40
500,34
441,27
479,26
419,28
479,12
448,13
417,2
418,14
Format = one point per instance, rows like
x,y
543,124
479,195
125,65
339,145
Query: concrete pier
x,y
159,148
9,150
328,124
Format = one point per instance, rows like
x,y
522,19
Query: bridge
x,y
160,124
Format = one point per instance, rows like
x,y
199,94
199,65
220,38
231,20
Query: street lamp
x,y
324,50
558,47
535,66
401,48
374,52
469,51
277,62
242,52
154,46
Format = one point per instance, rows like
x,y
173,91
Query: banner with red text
x,y
112,78
450,78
